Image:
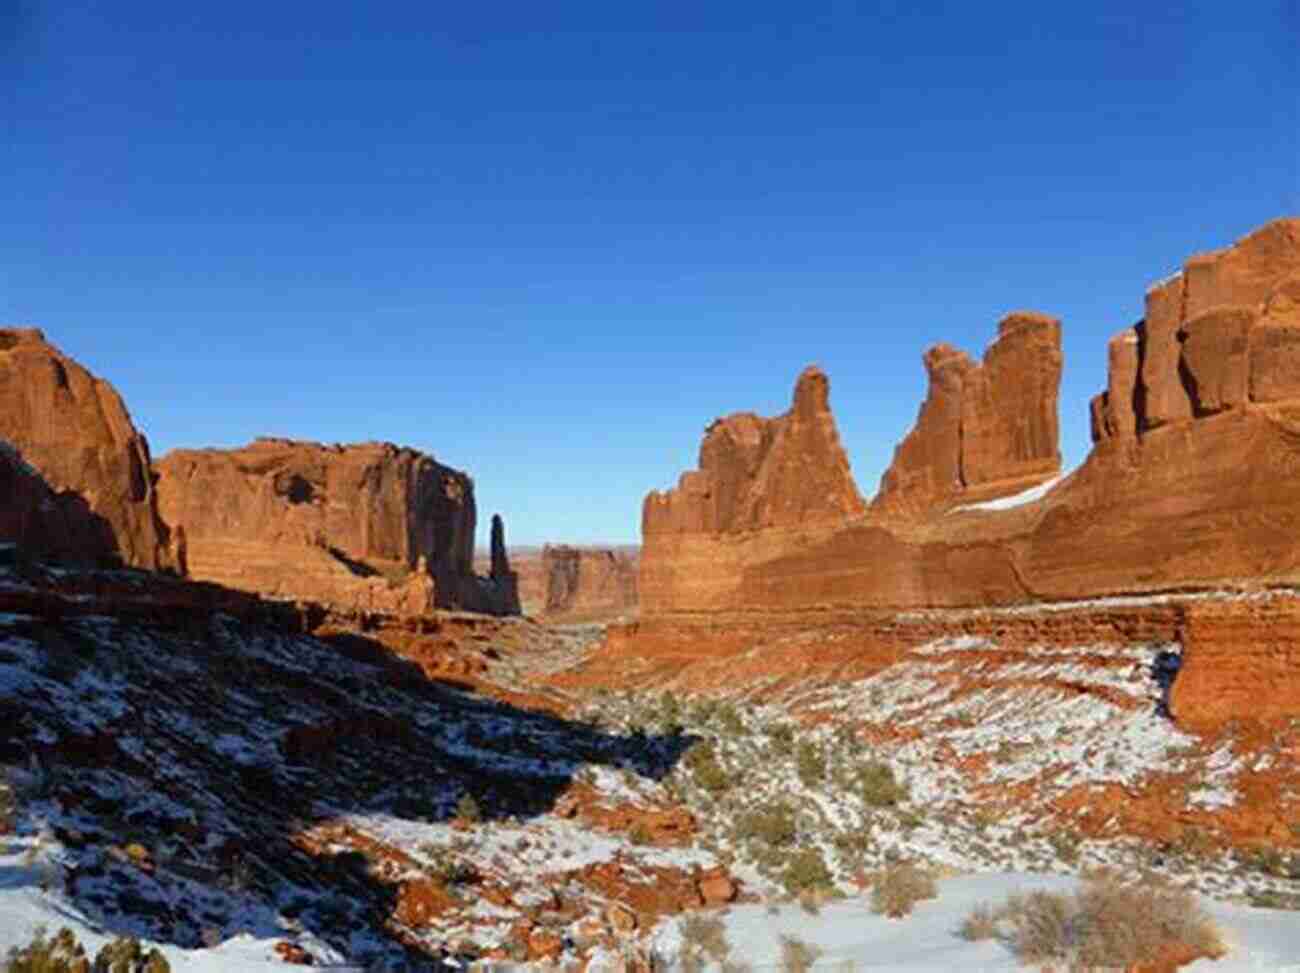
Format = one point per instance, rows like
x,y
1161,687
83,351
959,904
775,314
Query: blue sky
x,y
549,243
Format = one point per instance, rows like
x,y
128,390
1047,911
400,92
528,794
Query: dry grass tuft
x,y
797,956
899,887
1106,923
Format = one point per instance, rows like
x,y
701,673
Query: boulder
x,y
93,486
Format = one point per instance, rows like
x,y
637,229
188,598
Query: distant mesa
x,y
576,583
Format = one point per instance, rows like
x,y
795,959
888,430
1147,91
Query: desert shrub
x,y
1273,899
781,737
44,955
702,760
806,869
729,721
797,956
774,825
8,803
63,954
1193,844
1107,923
878,786
1065,845
704,938
899,887
810,763
467,808
128,956
981,924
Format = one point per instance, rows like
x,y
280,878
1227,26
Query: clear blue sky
x,y
548,243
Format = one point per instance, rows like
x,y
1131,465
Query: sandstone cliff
x,y
756,473
365,527
586,582
985,430
1192,482
92,499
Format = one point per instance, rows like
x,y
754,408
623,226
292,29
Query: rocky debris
x,y
79,469
756,473
370,527
664,827
985,430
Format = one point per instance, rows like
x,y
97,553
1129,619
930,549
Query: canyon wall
x,y
1191,483
591,583
370,526
75,466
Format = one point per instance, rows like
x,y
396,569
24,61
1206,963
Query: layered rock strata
x,y
1191,484
368,527
986,429
589,582
76,467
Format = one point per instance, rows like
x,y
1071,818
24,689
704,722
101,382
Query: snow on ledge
x,y
1015,500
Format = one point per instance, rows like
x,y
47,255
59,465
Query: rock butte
x,y
1191,482
365,527
78,469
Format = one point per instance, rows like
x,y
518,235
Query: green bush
x,y
63,954
811,764
806,869
774,825
467,809
702,761
781,736
878,786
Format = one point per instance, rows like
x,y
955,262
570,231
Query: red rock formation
x,y
364,527
588,582
984,431
1192,484
1216,336
96,499
756,473
1240,660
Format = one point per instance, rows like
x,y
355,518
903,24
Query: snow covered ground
x,y
927,941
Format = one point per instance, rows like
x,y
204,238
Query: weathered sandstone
x,y
756,473
1202,492
588,582
96,494
985,430
369,526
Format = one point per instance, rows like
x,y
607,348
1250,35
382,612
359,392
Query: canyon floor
x,y
245,795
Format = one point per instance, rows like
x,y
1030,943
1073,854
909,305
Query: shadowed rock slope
x,y
70,431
